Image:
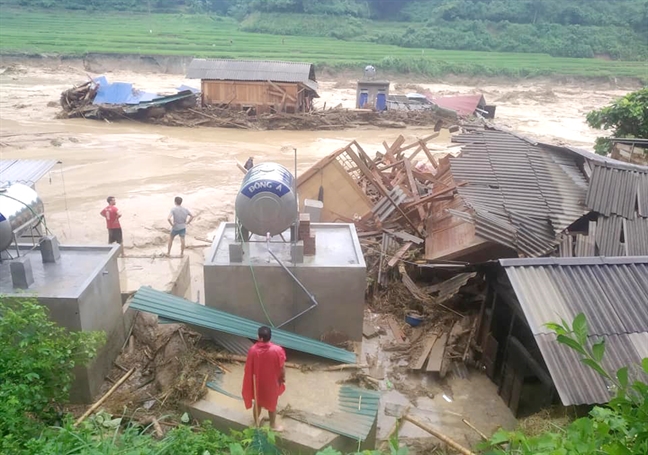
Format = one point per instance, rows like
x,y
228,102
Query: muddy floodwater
x,y
146,166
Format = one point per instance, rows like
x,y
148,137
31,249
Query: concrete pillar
x,y
22,275
297,252
236,252
314,208
49,248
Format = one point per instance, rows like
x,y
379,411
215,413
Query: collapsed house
x,y
516,197
100,99
256,86
487,221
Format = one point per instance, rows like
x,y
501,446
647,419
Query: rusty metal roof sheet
x,y
523,195
27,172
252,70
611,292
615,191
461,104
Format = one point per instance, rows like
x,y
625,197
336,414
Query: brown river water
x,y
145,166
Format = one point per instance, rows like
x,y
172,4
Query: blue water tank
x,y
266,202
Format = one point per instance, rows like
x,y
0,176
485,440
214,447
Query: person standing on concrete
x,y
179,218
264,379
112,215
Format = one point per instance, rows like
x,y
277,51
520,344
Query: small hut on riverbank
x,y
256,86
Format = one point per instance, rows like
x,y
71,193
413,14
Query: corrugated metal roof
x,y
181,310
618,192
447,289
611,292
461,104
232,343
358,411
27,172
252,70
523,195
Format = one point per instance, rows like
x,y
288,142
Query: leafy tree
x,y
36,361
627,118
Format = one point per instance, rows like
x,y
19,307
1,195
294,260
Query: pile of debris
x,y
181,110
78,98
393,195
98,99
329,119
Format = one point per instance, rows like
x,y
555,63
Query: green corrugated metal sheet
x,y
358,411
181,310
215,386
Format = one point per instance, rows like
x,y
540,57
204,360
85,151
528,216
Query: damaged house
x,y
519,198
256,86
522,355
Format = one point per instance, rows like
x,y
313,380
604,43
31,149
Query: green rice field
x,y
77,33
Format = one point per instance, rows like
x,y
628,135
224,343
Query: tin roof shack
x,y
522,355
80,287
256,86
372,95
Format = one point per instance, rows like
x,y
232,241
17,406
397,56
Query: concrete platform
x,y
81,290
315,392
258,288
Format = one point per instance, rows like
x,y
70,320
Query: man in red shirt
x,y
112,216
265,376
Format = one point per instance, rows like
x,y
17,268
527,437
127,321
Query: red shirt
x,y
112,220
263,367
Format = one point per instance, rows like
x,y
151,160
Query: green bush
x,y
627,117
36,362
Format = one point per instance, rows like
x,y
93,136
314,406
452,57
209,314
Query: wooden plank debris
x,y
418,363
436,354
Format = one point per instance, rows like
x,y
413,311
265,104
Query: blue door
x,y
381,102
364,96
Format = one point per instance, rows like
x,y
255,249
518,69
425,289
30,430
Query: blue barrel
x,y
266,202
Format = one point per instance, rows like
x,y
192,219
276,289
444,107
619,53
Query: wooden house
x,y
256,86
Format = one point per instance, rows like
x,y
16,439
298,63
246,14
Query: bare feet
x,y
277,428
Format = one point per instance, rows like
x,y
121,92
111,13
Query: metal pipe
x,y
311,297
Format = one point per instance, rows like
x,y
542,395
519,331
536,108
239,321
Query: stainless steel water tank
x,y
266,202
19,204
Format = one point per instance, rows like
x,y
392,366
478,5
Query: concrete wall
x,y
339,291
180,285
100,309
372,88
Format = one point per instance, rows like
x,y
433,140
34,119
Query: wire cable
x,y
256,284
66,200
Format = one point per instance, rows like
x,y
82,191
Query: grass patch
x,y
77,33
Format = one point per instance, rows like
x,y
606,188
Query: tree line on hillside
x,y
616,29
631,13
